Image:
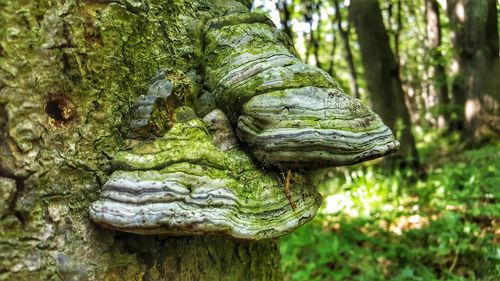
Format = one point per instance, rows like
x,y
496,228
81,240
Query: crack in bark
x,y
13,208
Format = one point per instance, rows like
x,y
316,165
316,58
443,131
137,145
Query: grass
x,y
378,225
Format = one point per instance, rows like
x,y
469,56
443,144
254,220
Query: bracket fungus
x,y
159,91
197,179
182,184
291,114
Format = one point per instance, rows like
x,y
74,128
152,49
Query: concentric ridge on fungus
x,y
291,114
182,184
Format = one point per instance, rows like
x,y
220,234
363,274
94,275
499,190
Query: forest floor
x,y
376,224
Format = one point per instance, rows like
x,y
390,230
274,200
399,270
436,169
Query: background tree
x,y
311,10
333,50
344,35
438,91
395,23
475,40
285,16
381,72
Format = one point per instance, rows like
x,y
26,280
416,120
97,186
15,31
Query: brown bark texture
x,y
475,86
70,71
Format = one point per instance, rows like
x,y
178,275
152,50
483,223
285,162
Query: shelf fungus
x,y
146,115
197,179
183,184
291,114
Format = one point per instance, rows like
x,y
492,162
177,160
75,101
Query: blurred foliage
x,y
376,224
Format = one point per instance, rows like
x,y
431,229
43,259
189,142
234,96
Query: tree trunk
x,y
317,38
394,32
382,75
285,16
438,91
344,34
309,8
475,39
331,63
69,73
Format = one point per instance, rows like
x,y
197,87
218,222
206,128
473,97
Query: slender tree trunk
x,y
344,34
332,52
458,91
399,26
312,43
437,73
382,75
475,38
317,39
69,73
285,16
407,83
309,42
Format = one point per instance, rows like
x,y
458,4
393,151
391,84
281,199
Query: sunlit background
x,y
379,222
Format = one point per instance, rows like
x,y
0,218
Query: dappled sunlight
x,y
361,202
472,109
339,203
405,223
362,193
460,11
377,225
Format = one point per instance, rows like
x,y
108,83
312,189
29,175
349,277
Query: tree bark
x,y
382,75
475,39
344,34
69,73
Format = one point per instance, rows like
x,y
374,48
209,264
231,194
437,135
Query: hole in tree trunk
x,y
61,109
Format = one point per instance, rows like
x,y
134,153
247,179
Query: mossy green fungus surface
x,y
182,184
292,115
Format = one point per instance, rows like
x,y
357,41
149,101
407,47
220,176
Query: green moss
x,y
184,142
188,148
100,57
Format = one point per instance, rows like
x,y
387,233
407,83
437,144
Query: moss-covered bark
x,y
70,71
